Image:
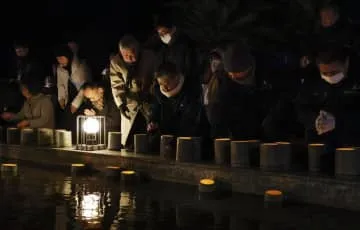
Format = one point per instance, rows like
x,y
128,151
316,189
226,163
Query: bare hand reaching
x,y
89,112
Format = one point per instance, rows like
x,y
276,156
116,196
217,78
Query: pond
x,y
46,199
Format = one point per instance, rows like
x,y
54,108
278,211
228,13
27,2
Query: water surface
x,y
42,199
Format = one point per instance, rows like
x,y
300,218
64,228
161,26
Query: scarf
x,y
176,90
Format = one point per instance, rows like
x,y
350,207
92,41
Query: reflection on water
x,y
66,188
89,207
35,199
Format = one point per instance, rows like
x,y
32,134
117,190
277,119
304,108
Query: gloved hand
x,y
124,110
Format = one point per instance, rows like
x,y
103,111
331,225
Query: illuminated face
x,y
162,31
332,69
25,92
328,17
93,94
21,51
240,75
167,84
128,55
63,61
165,34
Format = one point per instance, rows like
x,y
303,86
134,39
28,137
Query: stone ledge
x,y
325,191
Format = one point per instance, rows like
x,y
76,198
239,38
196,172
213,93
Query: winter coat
x,y
181,114
131,84
69,85
342,100
39,111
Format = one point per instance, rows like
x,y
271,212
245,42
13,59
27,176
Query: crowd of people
x,y
166,87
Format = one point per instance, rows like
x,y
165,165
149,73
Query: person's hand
x,y
151,127
89,112
319,122
124,110
62,103
304,61
73,109
7,116
330,123
325,123
23,124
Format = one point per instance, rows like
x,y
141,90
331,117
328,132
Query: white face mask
x,y
166,38
333,79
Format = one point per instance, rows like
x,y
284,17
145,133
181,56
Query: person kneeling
x,y
37,111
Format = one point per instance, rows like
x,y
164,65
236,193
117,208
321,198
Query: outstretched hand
x,y
23,124
7,116
89,112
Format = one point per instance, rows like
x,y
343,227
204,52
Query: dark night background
x,y
96,25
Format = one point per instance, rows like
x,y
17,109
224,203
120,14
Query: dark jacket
x,y
342,100
342,33
180,51
181,115
27,68
237,114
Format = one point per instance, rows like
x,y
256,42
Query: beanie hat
x,y
237,58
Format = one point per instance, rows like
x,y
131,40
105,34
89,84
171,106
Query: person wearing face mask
x,y
328,107
99,102
177,48
237,114
131,77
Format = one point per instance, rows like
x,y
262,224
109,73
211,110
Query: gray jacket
x,y
39,111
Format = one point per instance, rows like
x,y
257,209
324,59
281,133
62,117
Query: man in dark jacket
x,y
177,48
25,65
332,27
238,113
328,106
177,109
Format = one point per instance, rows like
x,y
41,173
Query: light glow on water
x,y
89,207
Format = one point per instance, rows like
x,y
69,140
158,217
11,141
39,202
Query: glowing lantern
x,y
91,133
